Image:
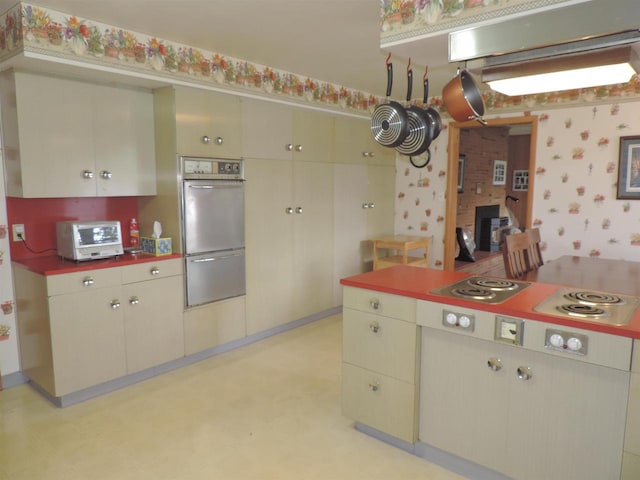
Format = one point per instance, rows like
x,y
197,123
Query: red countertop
x,y
54,265
417,282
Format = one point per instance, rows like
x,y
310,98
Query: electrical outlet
x,y
18,229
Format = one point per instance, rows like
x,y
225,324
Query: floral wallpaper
x,y
574,192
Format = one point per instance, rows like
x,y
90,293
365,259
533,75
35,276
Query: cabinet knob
x,y
133,301
298,148
375,303
374,386
154,271
372,205
87,281
87,174
524,373
374,327
494,364
115,304
365,205
368,154
288,210
206,140
219,140
288,147
106,174
298,209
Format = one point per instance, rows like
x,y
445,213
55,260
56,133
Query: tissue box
x,y
156,246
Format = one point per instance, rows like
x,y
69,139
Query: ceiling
x,y
336,41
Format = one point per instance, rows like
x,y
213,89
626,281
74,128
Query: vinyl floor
x,y
269,410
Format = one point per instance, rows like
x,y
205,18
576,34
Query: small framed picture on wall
x,y
499,172
629,168
520,180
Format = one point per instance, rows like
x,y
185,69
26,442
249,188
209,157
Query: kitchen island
x,y
490,390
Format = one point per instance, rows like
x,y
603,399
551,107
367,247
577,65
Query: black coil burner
x,y
581,310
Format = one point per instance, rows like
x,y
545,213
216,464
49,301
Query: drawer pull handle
x,y
206,139
155,271
106,174
494,364
87,281
375,303
524,373
133,301
219,140
374,387
374,327
115,304
87,174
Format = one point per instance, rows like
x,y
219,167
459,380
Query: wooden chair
x,y
521,253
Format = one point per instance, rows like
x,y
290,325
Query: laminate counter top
x,y
55,265
418,282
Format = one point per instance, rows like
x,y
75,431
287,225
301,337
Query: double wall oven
x,y
212,194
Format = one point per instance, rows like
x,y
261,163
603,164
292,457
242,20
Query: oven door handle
x,y
213,259
235,184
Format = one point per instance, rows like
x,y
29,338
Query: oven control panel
x,y
564,341
462,321
212,169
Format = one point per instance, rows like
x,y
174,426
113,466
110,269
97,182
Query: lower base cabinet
x,y
566,421
81,329
380,355
214,324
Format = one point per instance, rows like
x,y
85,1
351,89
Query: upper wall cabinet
x,y
274,131
65,138
354,143
207,123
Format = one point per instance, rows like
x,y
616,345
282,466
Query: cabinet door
x,y
267,130
87,339
153,322
381,197
312,136
201,113
354,143
269,248
124,145
55,127
312,238
350,223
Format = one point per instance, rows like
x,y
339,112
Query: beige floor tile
x,y
270,410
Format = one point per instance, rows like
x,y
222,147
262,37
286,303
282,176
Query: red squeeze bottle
x,y
134,233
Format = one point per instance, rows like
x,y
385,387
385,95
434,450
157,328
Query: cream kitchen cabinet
x,y
152,303
274,131
380,362
81,329
289,241
67,138
364,198
354,143
208,124
526,414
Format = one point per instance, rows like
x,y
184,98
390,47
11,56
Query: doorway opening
x,y
496,180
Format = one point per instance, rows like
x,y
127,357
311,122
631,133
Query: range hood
x,y
574,28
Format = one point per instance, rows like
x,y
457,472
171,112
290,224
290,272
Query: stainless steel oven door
x,y
213,215
215,276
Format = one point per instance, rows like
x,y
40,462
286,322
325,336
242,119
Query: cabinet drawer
x,y
151,270
379,401
378,343
380,303
82,281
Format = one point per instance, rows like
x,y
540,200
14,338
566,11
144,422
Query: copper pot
x,y
462,98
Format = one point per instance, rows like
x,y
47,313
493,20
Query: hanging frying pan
x,y
462,98
432,114
389,121
418,137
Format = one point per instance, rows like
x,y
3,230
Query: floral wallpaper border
x,y
28,28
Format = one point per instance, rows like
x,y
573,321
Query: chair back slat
x,y
521,253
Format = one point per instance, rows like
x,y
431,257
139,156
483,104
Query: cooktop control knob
x,y
451,318
574,344
556,340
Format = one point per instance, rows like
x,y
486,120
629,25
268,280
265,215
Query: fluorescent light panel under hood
x,y
593,68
